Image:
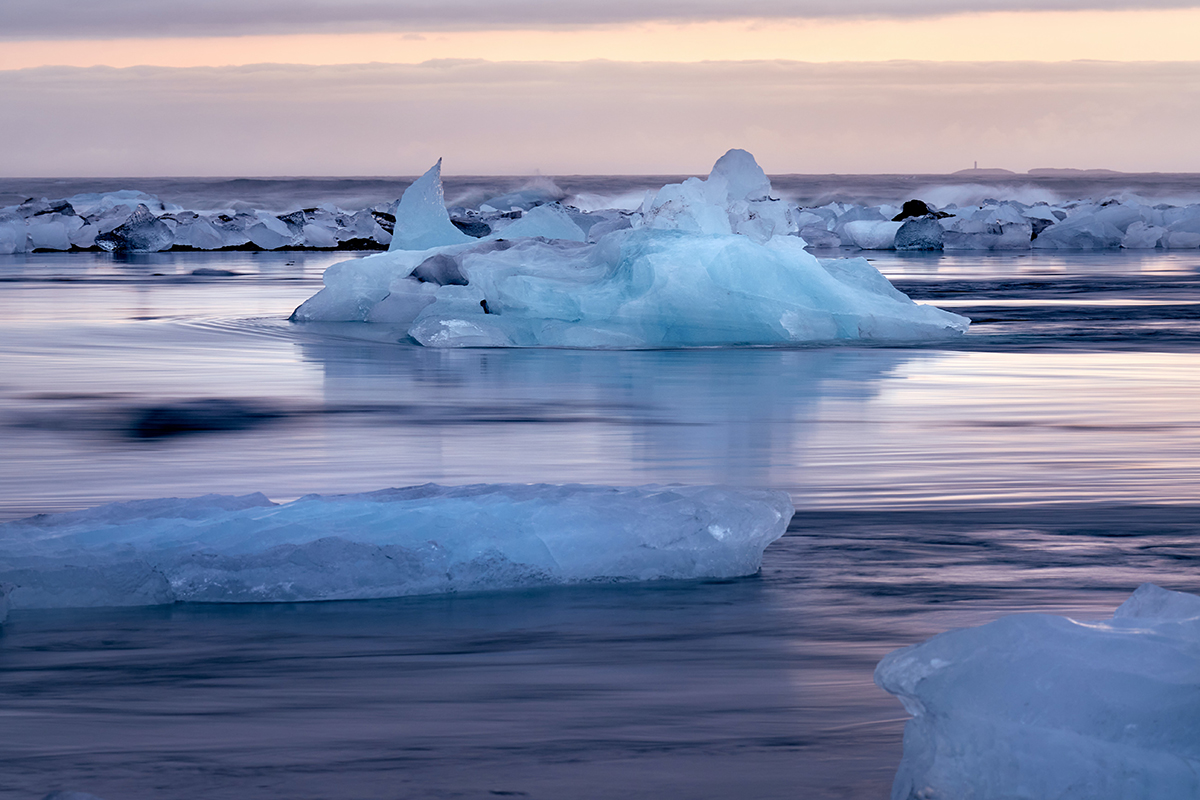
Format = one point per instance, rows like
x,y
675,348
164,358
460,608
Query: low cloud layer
x,y
597,117
74,19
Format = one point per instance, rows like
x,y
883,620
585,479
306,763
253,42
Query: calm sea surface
x,y
1050,461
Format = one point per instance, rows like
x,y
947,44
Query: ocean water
x,y
1049,462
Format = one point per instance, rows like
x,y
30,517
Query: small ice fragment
x,y
141,233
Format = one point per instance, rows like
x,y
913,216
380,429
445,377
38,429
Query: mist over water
x,y
1046,462
590,192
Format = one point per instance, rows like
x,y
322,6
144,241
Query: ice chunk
x,y
270,232
973,232
819,236
608,224
871,235
14,235
394,542
141,233
1140,236
441,270
1036,706
854,214
52,231
705,267
548,221
421,218
1181,240
662,288
735,198
319,236
919,233
687,206
197,232
95,204
743,178
1084,229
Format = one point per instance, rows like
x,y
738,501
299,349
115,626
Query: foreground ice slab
x,y
1035,706
395,542
704,263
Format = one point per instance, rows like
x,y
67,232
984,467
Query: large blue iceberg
x,y
708,262
1034,706
396,542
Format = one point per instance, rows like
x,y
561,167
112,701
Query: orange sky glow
x,y
1153,35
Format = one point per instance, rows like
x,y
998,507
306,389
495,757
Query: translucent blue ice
x,y
709,262
1038,706
420,540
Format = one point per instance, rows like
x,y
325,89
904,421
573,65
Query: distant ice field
x,y
598,191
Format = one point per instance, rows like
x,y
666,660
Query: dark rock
x,y
57,207
472,227
919,233
141,233
441,270
1039,225
912,208
819,236
360,244
917,208
386,221
295,222
491,246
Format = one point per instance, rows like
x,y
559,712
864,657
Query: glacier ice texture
x,y
1035,706
712,262
395,542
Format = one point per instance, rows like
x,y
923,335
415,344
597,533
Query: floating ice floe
x,y
391,543
704,263
1035,706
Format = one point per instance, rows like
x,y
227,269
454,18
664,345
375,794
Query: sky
x,y
385,87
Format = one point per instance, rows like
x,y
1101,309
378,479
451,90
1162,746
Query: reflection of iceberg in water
x,y
738,417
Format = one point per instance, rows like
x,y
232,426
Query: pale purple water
x,y
1049,462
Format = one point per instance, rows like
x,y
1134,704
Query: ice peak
x,y
742,175
421,218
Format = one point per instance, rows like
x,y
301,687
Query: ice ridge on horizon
x,y
980,216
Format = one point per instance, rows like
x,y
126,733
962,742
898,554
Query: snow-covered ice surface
x,y
1037,706
703,263
391,543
